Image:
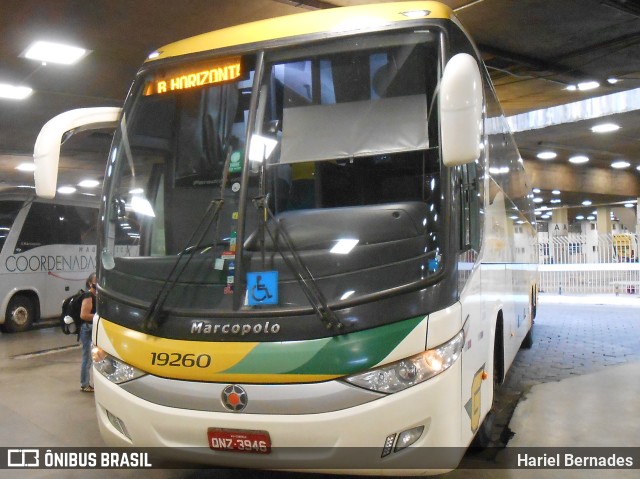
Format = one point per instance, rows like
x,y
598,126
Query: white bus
x,y
47,250
325,208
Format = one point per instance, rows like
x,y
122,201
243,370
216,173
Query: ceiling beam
x,y
569,179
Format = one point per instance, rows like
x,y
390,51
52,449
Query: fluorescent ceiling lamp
x,y
587,203
66,190
26,167
89,183
538,200
579,217
555,201
344,246
628,205
620,164
536,190
555,192
546,155
579,159
13,92
605,128
49,52
584,86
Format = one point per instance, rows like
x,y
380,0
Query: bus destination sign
x,y
195,76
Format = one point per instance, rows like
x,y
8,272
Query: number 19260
x,y
188,360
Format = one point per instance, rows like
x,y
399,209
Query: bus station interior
x,y
567,74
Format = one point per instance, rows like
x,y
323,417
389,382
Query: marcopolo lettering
x,y
42,263
237,329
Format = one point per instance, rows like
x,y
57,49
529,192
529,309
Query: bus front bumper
x,y
359,440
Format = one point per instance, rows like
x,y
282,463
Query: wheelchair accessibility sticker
x,y
262,288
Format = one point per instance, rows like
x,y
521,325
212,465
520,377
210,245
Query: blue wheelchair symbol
x,y
262,288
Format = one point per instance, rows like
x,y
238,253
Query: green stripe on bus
x,y
338,355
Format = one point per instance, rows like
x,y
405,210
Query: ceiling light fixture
x,y
88,183
605,128
26,167
546,155
12,92
588,85
578,159
49,52
587,203
555,192
66,190
620,164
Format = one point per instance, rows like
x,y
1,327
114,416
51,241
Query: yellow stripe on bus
x,y
342,19
191,360
196,360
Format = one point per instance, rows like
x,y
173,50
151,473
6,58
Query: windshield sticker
x,y
262,288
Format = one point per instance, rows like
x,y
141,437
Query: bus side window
x,y
40,228
78,225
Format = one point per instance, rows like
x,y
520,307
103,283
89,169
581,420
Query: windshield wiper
x,y
297,266
151,320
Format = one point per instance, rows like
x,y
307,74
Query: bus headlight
x,y
395,377
112,368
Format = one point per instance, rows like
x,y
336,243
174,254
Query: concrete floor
x,y
578,386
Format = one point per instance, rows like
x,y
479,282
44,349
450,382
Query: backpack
x,y
71,308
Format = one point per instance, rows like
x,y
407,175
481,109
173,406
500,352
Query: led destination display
x,y
193,76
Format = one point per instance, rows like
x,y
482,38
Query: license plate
x,y
238,440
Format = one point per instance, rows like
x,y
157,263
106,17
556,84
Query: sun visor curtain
x,y
354,129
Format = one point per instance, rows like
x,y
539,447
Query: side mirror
x,y
460,110
46,152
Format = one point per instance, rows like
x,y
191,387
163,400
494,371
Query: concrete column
x,y
604,221
559,225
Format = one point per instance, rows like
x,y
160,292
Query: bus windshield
x,y
8,212
242,183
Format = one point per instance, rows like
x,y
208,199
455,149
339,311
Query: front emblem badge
x,y
234,398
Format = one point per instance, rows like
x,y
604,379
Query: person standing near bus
x,y
87,310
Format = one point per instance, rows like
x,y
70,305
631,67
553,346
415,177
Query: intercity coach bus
x,y
47,250
335,245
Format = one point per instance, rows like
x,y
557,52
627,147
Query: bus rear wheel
x,y
20,315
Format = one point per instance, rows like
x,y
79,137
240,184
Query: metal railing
x,y
589,263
